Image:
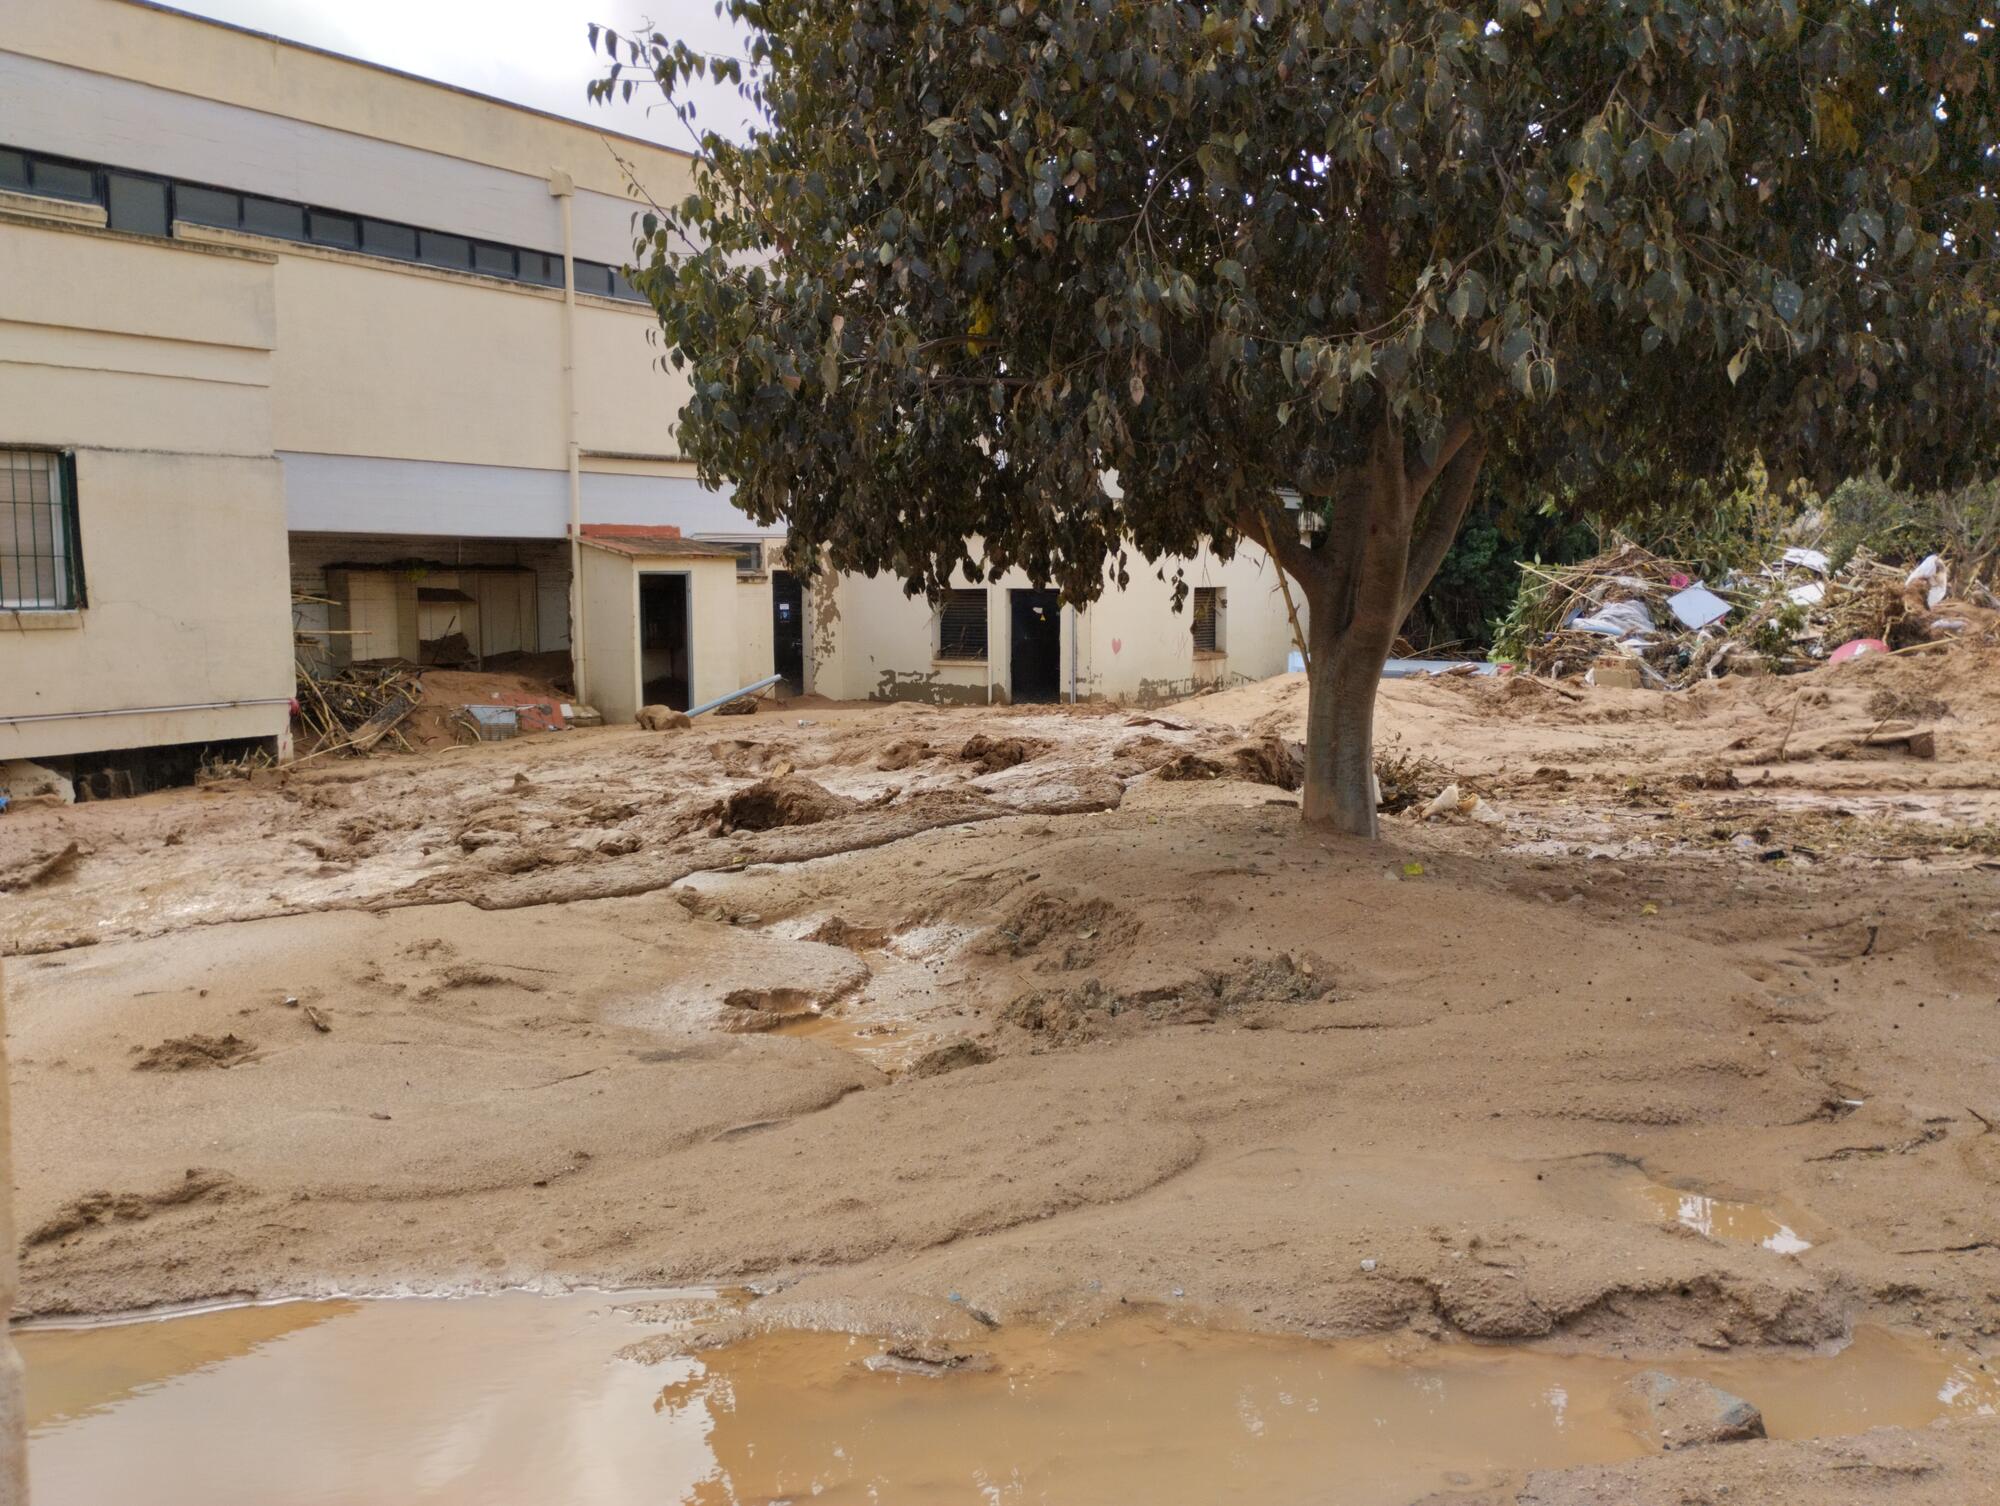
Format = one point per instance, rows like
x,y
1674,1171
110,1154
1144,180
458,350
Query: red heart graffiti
x,y
1117,644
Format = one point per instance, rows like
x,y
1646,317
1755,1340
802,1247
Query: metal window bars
x,y
1207,619
41,569
962,626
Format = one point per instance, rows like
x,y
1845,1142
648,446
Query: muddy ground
x,y
924,1019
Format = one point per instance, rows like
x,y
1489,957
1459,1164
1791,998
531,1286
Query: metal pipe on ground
x,y
723,700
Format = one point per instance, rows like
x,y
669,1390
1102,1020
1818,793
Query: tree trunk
x,y
1360,583
1343,677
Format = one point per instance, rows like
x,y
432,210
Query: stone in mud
x,y
663,719
787,800
950,1057
1684,1413
989,755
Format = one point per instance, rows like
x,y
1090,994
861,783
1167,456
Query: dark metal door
x,y
788,630
1035,646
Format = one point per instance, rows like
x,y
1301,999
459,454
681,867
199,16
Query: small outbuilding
x,y
659,620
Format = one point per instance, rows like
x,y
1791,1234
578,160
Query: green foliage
x,y
1902,525
986,254
1713,530
1476,586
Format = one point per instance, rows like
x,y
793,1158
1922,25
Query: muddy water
x,y
517,1398
1721,1219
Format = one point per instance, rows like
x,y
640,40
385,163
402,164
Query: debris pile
x,y
1406,780
1629,617
356,707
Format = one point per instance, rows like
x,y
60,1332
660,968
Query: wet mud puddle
x,y
1721,1219
517,1398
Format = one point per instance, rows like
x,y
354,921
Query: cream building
x,y
277,324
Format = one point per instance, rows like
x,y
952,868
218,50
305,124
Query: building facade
x,y
302,357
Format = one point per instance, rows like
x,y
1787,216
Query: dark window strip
x,y
134,206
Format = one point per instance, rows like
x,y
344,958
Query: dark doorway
x,y
788,630
1035,647
665,670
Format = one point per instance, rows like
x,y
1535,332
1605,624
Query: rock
x,y
663,719
1683,1413
1368,1265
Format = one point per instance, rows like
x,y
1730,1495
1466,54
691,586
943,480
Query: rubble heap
x,y
1629,611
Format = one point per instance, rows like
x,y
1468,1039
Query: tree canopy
x,y
984,256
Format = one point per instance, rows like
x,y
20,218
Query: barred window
x,y
40,570
1208,619
961,626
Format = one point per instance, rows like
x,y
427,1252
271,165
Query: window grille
x,y
962,626
1207,619
40,568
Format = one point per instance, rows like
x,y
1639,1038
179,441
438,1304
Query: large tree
x,y
1380,253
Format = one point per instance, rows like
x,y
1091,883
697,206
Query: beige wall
x,y
185,573
1130,645
165,401
1136,648
881,646
116,341
610,594
611,623
753,628
713,607
625,403
452,367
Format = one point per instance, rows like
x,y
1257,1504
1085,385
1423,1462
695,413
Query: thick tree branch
x,y
1447,510
1456,432
1271,524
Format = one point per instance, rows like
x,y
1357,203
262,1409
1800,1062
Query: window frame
x,y
66,535
1217,645
111,177
962,596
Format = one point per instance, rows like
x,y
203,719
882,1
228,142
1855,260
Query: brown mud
x,y
1198,1055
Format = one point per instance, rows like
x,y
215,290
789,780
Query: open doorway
x,y
666,669
1035,647
788,630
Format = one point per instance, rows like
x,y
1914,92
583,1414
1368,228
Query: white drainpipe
x,y
562,187
1075,634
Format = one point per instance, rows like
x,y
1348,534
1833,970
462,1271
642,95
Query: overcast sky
x,y
534,52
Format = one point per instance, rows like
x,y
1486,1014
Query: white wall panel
x,y
366,494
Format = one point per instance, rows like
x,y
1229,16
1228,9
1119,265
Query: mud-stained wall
x,y
1129,646
929,687
823,661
